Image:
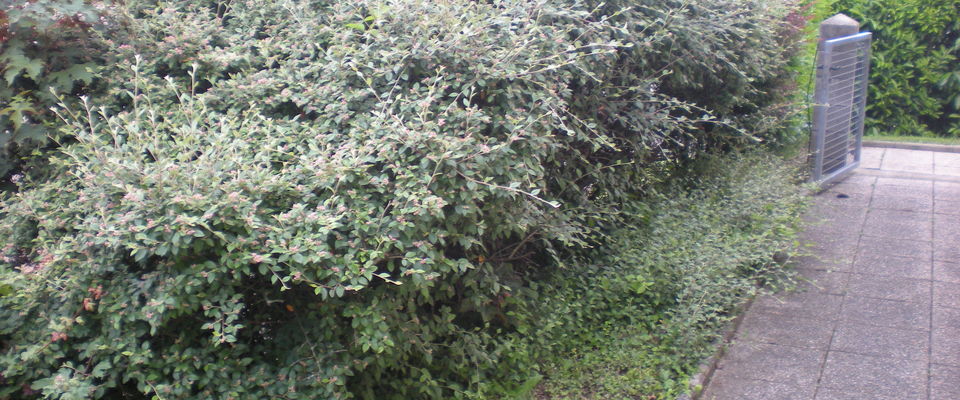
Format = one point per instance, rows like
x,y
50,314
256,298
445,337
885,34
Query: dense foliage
x,y
634,319
334,199
915,71
45,45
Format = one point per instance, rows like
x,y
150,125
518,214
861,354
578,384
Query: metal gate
x,y
839,102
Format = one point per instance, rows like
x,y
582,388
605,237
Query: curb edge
x,y
942,148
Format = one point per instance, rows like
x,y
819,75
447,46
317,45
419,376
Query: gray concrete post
x,y
837,26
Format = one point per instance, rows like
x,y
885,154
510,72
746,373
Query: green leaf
x,y
101,369
63,80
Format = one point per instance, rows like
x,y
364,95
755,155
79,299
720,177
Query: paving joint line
x,y
916,176
811,319
843,297
857,353
792,346
931,147
894,300
738,376
933,194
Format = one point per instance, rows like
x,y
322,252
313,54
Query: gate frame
x,y
821,104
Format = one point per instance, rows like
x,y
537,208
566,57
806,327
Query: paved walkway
x,y
880,315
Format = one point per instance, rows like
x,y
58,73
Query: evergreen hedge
x,y
915,70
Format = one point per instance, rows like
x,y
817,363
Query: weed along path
x,y
879,314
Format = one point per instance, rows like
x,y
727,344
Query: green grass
x,y
914,139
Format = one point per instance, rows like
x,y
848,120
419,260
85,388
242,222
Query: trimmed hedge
x,y
335,199
914,76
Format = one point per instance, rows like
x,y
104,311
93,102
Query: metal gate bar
x,y
840,100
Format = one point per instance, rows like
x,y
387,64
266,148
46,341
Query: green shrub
x,y
334,199
915,68
635,321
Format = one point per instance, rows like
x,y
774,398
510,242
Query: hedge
x,y
336,199
914,76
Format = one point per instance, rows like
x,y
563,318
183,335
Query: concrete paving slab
x,y
945,336
832,242
773,363
889,194
899,225
946,228
875,247
923,204
834,394
827,214
946,250
884,273
948,215
850,196
822,233
889,288
907,156
947,159
904,267
950,207
800,304
944,382
946,190
946,164
832,220
724,386
824,280
946,272
946,318
946,171
839,262
879,376
886,313
855,184
871,157
946,294
786,330
839,247
852,184
881,342
833,208
915,168
888,185
836,197
907,160
860,179
919,168
945,346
